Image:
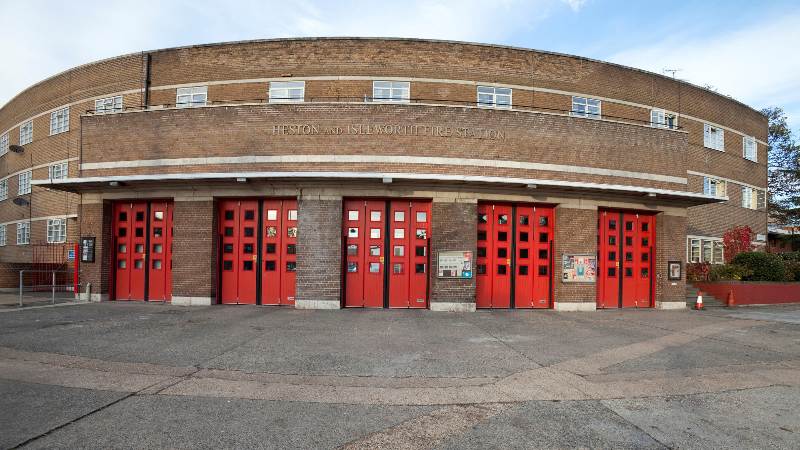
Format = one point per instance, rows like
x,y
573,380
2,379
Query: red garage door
x,y
386,253
140,274
257,251
626,254
514,260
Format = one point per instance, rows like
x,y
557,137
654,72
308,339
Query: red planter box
x,y
753,292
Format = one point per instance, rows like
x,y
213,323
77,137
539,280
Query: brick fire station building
x,y
379,173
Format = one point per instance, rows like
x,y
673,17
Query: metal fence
x,y
46,287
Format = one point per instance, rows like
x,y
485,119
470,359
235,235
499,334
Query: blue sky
x,y
745,49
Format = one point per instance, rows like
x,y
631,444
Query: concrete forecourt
x,y
137,375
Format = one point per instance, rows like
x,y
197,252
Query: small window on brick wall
x,y
3,144
749,148
586,107
191,96
701,249
26,133
714,187
713,137
662,119
59,121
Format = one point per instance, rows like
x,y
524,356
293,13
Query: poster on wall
x,y
580,268
87,249
457,264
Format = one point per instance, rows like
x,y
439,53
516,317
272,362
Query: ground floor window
x,y
704,249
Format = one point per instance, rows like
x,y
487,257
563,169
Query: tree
x,y
783,166
737,240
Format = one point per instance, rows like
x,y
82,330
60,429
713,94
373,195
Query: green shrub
x,y
792,270
789,256
763,266
728,272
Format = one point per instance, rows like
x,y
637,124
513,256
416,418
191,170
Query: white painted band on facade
x,y
380,159
379,176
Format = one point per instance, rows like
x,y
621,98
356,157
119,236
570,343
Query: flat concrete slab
x,y
153,375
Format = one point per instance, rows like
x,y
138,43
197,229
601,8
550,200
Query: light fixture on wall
x,y
16,148
19,201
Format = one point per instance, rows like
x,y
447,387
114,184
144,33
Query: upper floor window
x,y
108,105
4,144
23,233
391,91
585,107
191,96
26,133
287,91
2,235
4,189
753,198
662,119
749,148
56,231
494,97
714,187
24,179
713,137
59,171
59,121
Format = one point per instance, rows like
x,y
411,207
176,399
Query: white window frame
x,y
494,97
59,171
23,233
713,137
26,133
56,231
2,235
287,91
108,105
391,91
715,187
3,189
59,121
749,148
24,183
584,106
3,144
747,197
698,247
191,97
660,118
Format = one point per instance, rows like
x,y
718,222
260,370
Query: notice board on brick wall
x,y
456,264
579,268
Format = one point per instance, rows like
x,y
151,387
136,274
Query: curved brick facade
x,y
340,142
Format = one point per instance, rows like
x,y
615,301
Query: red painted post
x,y
76,267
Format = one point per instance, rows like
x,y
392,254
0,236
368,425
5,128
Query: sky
x,y
744,49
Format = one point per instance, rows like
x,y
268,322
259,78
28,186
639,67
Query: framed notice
x,y
87,249
674,270
579,268
456,264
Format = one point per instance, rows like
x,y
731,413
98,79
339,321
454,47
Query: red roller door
x,y
139,274
386,253
626,254
258,246
514,255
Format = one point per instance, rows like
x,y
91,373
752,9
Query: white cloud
x,y
755,64
41,38
575,5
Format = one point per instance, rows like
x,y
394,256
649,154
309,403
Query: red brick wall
x,y
194,251
453,228
575,232
319,249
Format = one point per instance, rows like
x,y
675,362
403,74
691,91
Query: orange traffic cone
x,y
698,305
731,299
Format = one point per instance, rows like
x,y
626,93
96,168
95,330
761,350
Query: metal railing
x,y
519,106
46,286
